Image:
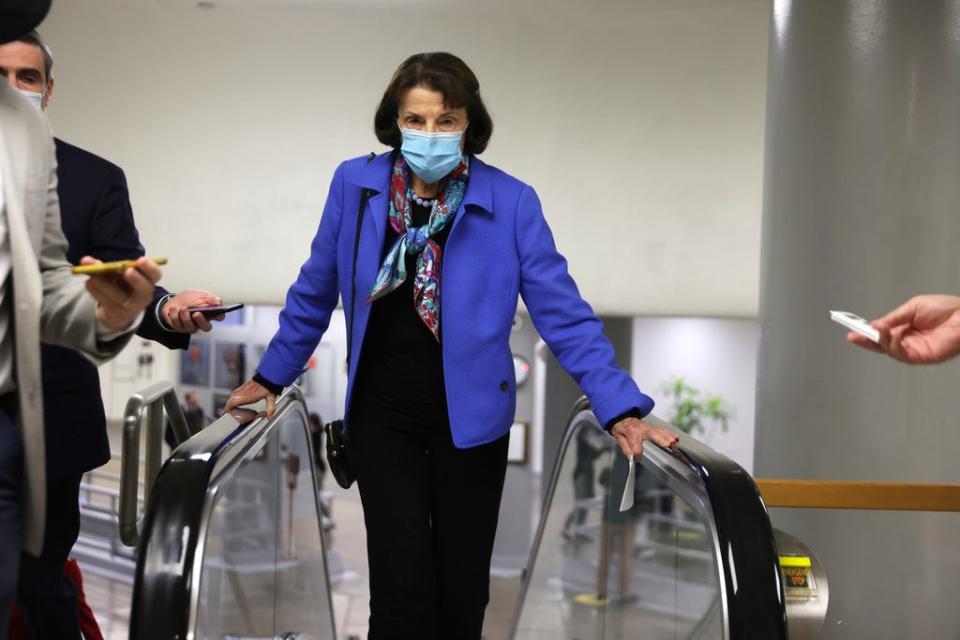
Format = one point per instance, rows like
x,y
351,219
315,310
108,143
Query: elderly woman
x,y
446,244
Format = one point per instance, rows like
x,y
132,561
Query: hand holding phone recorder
x,y
856,324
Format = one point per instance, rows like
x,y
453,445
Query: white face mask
x,y
36,99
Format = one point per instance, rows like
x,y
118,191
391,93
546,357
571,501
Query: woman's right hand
x,y
250,392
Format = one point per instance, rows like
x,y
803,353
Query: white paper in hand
x,y
626,502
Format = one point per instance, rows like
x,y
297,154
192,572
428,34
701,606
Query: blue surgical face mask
x,y
431,155
36,99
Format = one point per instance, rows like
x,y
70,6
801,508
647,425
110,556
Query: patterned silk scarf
x,y
418,241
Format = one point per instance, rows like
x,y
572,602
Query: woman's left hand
x,y
631,432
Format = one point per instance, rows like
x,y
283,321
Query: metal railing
x,y
153,403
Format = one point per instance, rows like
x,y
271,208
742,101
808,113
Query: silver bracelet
x,y
159,308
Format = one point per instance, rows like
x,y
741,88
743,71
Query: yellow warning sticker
x,y
794,561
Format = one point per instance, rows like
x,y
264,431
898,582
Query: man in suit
x,y
97,219
41,300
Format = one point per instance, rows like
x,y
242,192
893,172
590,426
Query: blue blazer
x,y
499,247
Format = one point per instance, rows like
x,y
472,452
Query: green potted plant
x,y
698,414
694,412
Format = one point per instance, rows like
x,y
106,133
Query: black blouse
x,y
401,362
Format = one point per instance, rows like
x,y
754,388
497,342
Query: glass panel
x,y
657,561
237,584
564,577
303,599
647,572
263,568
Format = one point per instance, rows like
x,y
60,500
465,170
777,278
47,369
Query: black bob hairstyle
x,y
446,74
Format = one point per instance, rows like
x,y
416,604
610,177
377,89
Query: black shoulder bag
x,y
338,458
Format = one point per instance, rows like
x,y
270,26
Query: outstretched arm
x,y
923,330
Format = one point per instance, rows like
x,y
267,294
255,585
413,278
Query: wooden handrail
x,y
828,494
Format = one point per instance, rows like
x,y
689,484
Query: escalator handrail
x,y
171,551
751,589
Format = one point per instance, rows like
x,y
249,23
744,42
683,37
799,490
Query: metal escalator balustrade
x,y
231,545
155,404
695,557
110,503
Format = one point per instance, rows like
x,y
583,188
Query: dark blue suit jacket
x,y
97,220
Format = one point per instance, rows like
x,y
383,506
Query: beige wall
x,y
639,123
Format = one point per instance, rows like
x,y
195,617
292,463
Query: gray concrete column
x,y
862,210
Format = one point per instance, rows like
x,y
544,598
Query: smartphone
x,y
216,309
856,324
108,267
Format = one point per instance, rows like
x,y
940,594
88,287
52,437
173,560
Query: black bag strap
x,y
364,197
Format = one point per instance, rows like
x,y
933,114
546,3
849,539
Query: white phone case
x,y
856,323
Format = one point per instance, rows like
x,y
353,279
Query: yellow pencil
x,y
107,267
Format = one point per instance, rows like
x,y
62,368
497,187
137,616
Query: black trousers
x,y
431,516
11,525
46,596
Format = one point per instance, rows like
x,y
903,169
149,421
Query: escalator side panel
x,y
702,532
232,543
